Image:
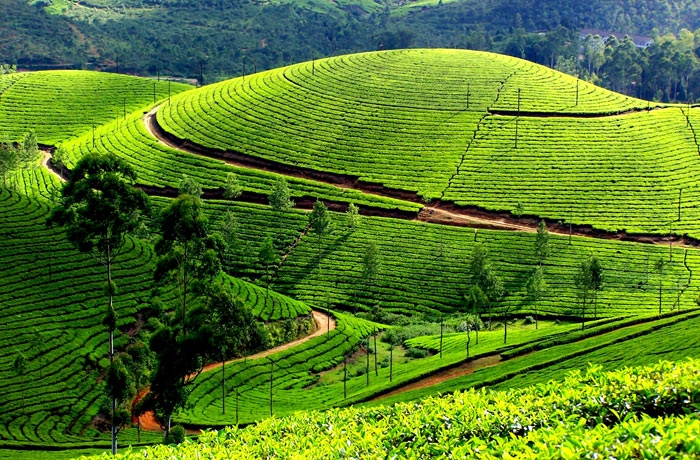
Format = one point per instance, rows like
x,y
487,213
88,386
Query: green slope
x,y
63,104
473,128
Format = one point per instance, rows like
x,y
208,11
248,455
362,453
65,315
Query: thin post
x,y
376,371
680,195
125,108
570,229
441,327
313,64
93,136
367,368
271,365
391,362
223,383
670,244
154,92
577,82
236,406
517,119
168,91
345,377
469,338
468,93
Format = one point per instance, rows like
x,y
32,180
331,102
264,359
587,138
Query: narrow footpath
x,y
324,323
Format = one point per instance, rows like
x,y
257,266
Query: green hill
x,y
59,105
407,135
463,127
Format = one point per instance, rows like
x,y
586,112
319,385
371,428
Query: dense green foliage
x,y
436,258
592,412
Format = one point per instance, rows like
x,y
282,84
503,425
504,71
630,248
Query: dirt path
x,y
323,322
439,212
466,368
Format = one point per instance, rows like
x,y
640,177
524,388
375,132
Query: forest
x,y
212,40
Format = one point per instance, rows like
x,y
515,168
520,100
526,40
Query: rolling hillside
x,y
444,151
466,128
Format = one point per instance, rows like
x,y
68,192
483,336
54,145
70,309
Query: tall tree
x,y
353,216
230,327
280,200
536,287
59,159
189,186
371,263
484,276
99,207
320,224
542,247
29,153
188,255
19,367
269,260
588,275
232,189
597,280
9,159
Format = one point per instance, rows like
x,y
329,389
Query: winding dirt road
x,y
324,323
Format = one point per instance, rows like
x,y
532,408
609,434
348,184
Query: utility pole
x,y
272,363
517,120
376,370
441,328
345,377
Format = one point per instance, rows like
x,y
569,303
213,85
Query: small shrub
x,y
529,320
416,353
176,435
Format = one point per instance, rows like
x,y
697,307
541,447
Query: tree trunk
x,y
223,383
111,343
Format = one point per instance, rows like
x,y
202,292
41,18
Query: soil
x,y
324,323
465,368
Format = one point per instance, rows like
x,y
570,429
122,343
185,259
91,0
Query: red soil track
x,y
324,323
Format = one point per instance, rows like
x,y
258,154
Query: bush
x,y
176,435
529,320
416,353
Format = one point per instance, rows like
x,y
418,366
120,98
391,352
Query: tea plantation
x,y
484,139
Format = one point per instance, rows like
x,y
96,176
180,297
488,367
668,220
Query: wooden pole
x,y
271,364
367,368
391,362
441,327
345,377
376,371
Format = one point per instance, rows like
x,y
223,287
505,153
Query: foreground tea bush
x,y
588,415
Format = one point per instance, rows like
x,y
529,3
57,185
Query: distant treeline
x,y
224,38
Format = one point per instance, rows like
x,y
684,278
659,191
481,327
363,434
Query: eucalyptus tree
x,y
484,277
99,207
280,200
188,254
